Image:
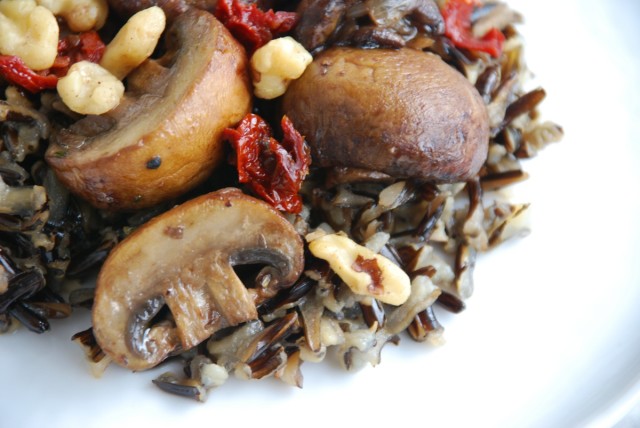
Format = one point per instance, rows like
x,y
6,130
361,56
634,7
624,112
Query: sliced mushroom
x,y
318,20
165,138
390,12
184,259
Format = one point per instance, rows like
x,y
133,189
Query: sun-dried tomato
x,y
251,26
16,72
74,48
273,170
457,26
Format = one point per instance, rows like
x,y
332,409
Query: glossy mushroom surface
x,y
402,112
184,259
165,137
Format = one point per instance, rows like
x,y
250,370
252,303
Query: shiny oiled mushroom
x,y
402,112
184,259
165,137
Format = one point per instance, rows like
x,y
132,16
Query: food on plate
x,y
276,64
88,88
184,259
30,31
79,15
256,185
365,272
427,120
121,56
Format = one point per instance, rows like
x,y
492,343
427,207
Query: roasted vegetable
x,y
165,138
184,259
402,112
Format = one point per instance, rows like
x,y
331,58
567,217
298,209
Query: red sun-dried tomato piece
x,y
457,26
74,48
250,25
274,171
16,72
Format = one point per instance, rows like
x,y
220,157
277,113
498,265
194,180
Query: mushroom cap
x,y
165,137
184,259
402,112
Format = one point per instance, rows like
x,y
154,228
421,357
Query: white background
x,y
550,339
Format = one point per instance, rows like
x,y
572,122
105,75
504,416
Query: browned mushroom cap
x,y
184,259
165,137
402,112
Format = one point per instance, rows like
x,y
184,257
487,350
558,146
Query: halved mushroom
x,y
165,137
184,259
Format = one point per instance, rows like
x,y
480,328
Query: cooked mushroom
x,y
369,23
402,112
318,20
184,259
423,12
166,137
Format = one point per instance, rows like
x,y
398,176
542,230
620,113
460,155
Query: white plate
x,y
550,338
